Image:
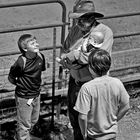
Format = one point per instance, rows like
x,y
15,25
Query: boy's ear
x,y
24,46
25,49
92,72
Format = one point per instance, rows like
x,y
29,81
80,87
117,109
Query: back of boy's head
x,y
99,61
23,40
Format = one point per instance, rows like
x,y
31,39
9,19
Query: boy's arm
x,y
123,102
44,62
82,118
14,72
122,111
12,77
82,105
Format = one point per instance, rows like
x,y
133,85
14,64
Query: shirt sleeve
x,y
67,43
83,101
83,58
124,96
108,41
44,63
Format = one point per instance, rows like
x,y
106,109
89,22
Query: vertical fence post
x,y
53,76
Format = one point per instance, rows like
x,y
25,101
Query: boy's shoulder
x,y
108,79
24,59
40,55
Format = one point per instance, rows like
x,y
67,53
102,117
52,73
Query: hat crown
x,y
85,6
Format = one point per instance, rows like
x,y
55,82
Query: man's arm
x,y
82,118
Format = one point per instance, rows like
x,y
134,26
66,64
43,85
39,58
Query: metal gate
x,y
3,105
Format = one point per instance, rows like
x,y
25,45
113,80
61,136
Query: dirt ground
x,y
128,127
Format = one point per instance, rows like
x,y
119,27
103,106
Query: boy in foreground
x,y
101,102
25,74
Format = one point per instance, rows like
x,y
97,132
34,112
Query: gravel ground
x,y
129,126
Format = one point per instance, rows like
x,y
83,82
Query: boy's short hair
x,y
23,40
99,61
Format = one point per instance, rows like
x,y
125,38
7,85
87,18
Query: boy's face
x,y
32,46
92,72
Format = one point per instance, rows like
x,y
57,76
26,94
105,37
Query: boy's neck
x,y
98,76
30,55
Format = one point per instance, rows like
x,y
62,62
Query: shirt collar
x,y
30,55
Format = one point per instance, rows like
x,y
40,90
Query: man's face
x,y
32,46
85,23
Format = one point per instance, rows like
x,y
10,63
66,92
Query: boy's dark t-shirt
x,y
27,78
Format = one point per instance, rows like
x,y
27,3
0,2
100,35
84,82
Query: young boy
x,y
79,54
25,73
101,102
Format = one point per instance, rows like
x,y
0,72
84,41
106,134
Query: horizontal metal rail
x,y
28,3
10,30
41,49
59,47
120,15
127,35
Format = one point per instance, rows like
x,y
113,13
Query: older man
x,y
86,23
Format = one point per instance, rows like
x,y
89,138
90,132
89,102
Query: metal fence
x,y
63,25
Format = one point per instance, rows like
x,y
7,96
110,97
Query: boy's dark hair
x,y
22,41
99,61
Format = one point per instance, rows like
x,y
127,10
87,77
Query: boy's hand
x,y
58,59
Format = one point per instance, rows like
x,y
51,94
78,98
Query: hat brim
x,y
77,15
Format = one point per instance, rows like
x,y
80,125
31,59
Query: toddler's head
x,y
96,39
28,42
93,41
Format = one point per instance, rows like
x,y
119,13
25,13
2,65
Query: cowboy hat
x,y
85,7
